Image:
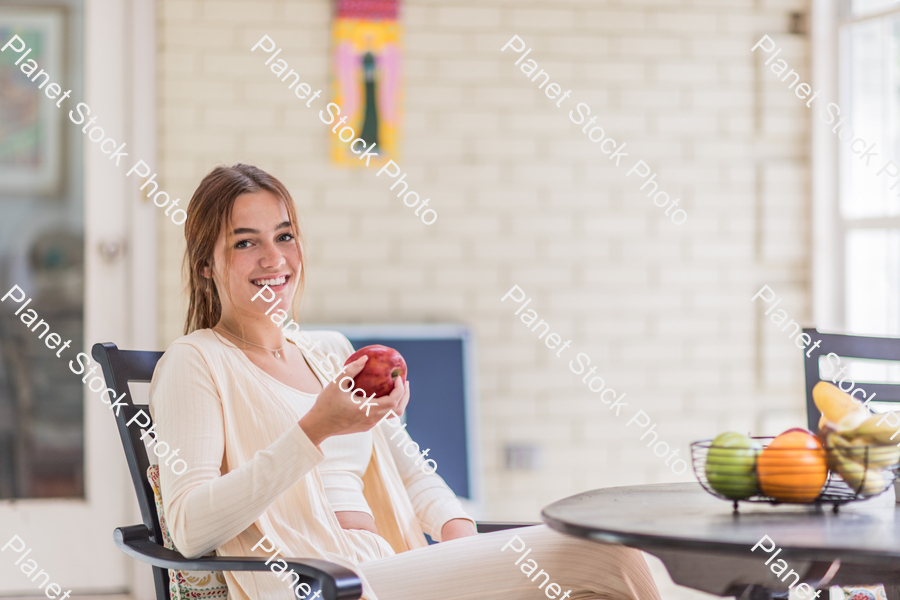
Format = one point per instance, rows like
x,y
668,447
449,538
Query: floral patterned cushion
x,y
864,592
186,585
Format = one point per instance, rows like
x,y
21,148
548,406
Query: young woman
x,y
276,452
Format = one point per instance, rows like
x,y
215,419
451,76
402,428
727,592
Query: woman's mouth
x,y
276,283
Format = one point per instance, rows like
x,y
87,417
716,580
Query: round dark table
x,y
707,546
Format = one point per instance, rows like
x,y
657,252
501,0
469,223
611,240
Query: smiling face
x,y
263,251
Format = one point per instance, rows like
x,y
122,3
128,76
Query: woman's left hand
x,y
457,528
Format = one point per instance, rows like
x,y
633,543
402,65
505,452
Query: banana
x,y
857,446
850,423
880,434
879,457
837,441
883,457
832,402
835,449
866,482
847,457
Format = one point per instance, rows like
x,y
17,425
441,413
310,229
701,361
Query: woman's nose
x,y
272,257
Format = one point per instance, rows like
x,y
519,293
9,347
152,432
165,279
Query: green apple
x,y
731,465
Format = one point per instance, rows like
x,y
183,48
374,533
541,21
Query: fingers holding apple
x,y
353,367
379,372
398,398
394,402
403,401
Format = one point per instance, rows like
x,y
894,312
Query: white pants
x,y
475,568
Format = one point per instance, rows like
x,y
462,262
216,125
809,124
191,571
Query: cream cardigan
x,y
252,471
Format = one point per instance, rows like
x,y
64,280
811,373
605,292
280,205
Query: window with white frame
x,y
869,210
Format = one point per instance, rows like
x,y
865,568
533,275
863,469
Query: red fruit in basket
x,y
384,365
793,468
797,430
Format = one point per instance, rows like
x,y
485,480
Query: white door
x,y
63,480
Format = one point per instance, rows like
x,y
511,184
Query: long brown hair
x,y
208,213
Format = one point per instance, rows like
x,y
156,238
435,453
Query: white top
x,y
346,460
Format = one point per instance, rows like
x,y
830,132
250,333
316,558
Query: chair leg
x,y
758,592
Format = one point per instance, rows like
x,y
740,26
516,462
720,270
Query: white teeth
x,y
262,282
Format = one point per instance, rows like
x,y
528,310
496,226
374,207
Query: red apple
x,y
384,365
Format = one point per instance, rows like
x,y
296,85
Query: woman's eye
x,y
242,244
286,237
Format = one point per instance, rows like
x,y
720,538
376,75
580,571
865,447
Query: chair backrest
x,y
849,346
121,368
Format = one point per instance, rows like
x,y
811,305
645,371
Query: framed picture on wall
x,y
30,122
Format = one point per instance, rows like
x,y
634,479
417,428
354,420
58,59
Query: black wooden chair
x,y
851,346
145,542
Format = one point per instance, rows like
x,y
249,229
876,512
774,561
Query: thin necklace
x,y
277,351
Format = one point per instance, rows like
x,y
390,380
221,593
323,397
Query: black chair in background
x,y
850,346
145,542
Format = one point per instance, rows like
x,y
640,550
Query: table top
x,y
684,516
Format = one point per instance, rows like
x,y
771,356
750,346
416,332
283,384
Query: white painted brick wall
x,y
524,198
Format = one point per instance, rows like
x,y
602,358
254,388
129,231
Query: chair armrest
x,y
489,526
334,581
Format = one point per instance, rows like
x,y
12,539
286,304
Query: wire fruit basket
x,y
835,474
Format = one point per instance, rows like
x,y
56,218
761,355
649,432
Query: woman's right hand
x,y
335,413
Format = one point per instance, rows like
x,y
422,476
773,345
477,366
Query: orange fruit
x,y
793,467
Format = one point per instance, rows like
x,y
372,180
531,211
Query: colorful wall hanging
x,y
366,77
